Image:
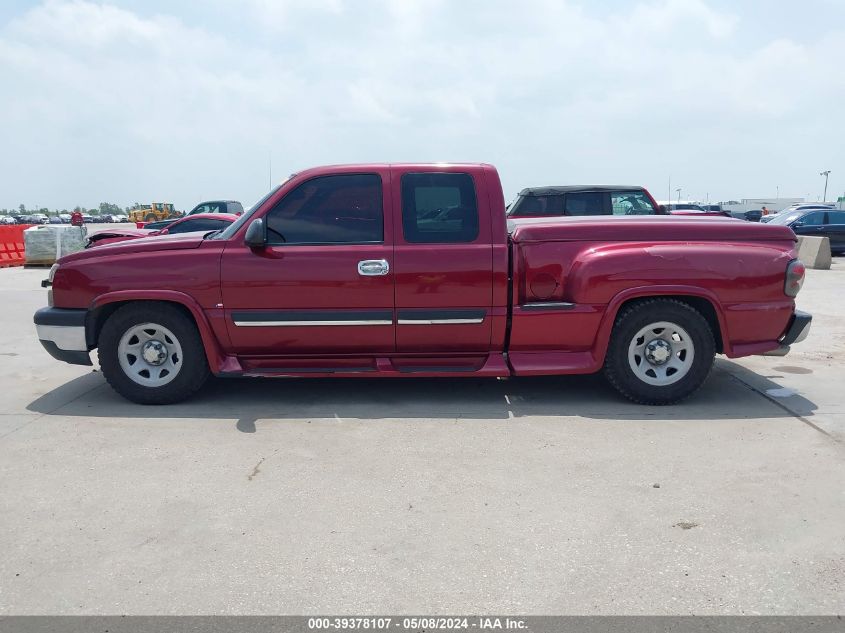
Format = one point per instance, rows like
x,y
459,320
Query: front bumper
x,y
798,330
62,333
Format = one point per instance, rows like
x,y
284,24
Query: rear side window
x,y
836,217
343,209
439,208
631,203
588,203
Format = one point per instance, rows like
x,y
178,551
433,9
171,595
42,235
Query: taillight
x,y
794,278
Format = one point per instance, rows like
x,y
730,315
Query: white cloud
x,y
113,104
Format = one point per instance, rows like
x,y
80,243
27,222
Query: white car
x,y
7,219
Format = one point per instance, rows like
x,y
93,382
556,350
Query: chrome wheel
x,y
150,354
661,353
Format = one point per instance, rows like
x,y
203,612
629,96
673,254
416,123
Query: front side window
x,y
342,209
631,203
439,208
588,203
816,218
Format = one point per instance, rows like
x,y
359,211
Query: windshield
x,y
786,218
685,207
230,230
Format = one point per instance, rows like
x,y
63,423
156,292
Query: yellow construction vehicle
x,y
151,212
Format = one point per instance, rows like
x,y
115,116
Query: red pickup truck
x,y
413,270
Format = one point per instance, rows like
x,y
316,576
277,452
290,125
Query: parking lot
x,y
527,496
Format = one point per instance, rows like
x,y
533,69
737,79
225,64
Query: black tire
x,y
192,372
629,322
150,218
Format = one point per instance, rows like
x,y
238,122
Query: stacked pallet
x,y
45,244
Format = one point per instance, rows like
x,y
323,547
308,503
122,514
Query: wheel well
x,y
98,317
701,305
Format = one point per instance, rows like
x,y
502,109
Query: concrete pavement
x,y
531,496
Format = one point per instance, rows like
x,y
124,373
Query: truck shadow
x,y
727,395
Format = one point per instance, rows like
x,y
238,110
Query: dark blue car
x,y
818,222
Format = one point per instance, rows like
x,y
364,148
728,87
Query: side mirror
x,y
662,208
797,225
256,234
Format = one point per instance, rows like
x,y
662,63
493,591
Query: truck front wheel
x,y
661,351
151,353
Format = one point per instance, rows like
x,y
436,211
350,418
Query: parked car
x,y
692,208
232,207
87,218
825,222
54,219
201,222
7,219
755,215
572,200
803,206
65,218
412,270
798,206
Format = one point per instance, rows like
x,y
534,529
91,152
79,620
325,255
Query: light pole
x,y
678,190
825,173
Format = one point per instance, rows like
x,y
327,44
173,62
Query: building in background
x,y
752,204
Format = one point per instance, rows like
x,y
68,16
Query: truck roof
x,y
559,190
359,167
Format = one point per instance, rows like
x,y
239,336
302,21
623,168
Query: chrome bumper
x,y
797,331
62,333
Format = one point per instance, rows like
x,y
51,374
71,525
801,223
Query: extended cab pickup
x,y
413,270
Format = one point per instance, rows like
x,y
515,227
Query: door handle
x,y
373,267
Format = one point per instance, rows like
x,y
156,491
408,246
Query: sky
x,y
141,100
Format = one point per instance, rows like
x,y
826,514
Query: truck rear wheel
x,y
151,353
661,351
150,218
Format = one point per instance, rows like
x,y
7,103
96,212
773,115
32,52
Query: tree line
x,y
105,208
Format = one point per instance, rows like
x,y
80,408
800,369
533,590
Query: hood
x,y
645,228
180,241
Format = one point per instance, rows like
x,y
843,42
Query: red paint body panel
x,y
445,276
583,269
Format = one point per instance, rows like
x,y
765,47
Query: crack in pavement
x,y
64,404
782,406
257,469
